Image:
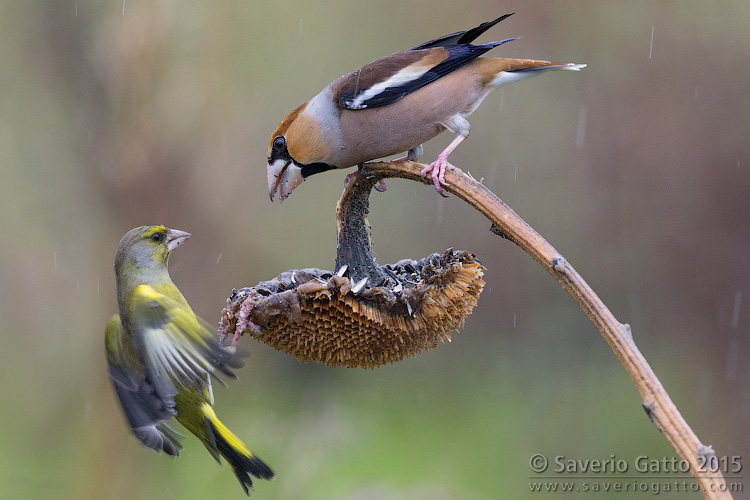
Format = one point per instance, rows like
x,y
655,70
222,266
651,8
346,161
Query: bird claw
x,y
236,338
224,323
244,323
438,178
380,186
348,178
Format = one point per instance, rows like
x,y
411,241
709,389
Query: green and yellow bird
x,y
162,357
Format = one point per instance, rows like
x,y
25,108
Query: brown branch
x,y
505,222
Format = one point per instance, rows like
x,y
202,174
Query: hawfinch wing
x,y
387,80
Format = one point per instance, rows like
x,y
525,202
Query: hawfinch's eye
x,y
156,237
279,143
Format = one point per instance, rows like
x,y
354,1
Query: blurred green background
x,y
117,114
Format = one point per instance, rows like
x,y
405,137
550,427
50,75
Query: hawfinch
x,y
394,105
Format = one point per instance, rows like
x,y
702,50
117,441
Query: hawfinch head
x,y
297,150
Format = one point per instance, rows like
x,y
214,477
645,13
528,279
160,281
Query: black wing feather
x,y
461,37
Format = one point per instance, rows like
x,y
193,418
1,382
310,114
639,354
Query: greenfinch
x,y
162,357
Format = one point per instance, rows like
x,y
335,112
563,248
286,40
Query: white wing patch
x,y
406,75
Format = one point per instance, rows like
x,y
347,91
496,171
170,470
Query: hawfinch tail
x,y
394,105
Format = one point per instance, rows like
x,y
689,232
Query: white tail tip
x,y
573,66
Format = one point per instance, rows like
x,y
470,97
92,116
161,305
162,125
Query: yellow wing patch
x,y
176,343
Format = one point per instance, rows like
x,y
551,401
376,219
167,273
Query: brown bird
x,y
392,105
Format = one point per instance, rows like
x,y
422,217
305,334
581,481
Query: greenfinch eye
x,y
157,237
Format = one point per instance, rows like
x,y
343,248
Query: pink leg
x,y
438,178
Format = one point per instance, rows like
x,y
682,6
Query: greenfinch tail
x,y
243,462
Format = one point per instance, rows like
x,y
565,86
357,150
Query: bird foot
x,y
243,320
438,178
224,325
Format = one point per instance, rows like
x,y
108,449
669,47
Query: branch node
x,y
708,457
502,233
628,330
559,264
650,410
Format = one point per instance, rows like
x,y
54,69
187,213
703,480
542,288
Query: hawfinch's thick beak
x,y
175,238
283,176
